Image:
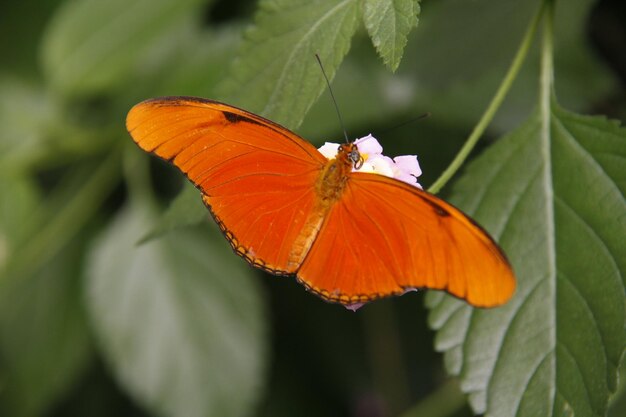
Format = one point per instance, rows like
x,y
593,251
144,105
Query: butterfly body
x,y
329,189
333,178
347,236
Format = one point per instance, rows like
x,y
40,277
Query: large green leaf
x,y
554,198
389,23
276,73
179,319
91,46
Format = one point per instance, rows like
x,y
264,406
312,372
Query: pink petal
x,y
369,145
408,178
409,164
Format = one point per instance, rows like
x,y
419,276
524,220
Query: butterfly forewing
x,y
256,177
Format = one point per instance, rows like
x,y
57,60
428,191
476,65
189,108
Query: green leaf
x,y
276,73
554,199
91,46
180,319
617,405
388,23
44,339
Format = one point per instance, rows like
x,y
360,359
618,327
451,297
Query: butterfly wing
x,y
385,237
256,177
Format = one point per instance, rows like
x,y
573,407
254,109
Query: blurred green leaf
x,y
190,62
181,323
36,132
44,339
457,42
276,73
387,101
26,117
199,63
16,214
63,215
186,209
389,23
583,79
455,80
91,46
555,202
22,22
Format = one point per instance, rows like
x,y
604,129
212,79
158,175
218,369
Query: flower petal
x,y
380,164
404,168
369,146
409,179
408,163
329,149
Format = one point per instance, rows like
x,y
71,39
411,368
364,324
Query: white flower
x,y
404,168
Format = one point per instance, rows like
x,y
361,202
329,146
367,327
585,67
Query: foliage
x,y
111,304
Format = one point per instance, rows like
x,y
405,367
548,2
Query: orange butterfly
x,y
349,237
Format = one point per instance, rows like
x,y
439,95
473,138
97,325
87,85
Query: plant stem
x,y
547,65
546,80
494,105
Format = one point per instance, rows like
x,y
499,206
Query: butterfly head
x,y
351,153
366,155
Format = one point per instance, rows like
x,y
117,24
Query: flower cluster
x,y
404,168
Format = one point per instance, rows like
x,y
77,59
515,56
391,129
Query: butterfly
x,y
348,236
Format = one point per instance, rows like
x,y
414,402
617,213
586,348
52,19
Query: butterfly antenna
x,y
414,119
343,127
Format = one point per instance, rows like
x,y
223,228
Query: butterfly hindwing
x,y
384,237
